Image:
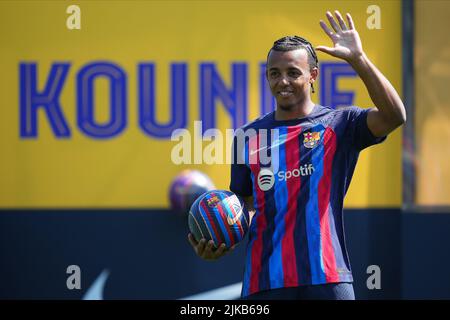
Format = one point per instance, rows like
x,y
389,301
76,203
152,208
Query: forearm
x,y
383,94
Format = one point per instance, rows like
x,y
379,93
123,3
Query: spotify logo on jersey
x,y
266,179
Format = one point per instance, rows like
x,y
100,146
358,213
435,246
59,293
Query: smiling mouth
x,y
285,93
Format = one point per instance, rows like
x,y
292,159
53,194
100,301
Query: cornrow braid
x,y
290,43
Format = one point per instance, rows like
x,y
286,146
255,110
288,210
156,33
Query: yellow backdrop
x,y
133,169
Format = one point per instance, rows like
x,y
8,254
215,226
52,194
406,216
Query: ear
x,y
314,73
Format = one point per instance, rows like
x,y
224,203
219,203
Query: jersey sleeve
x,y
359,133
241,181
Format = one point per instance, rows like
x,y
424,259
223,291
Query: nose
x,y
284,80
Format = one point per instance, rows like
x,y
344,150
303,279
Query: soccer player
x,y
296,247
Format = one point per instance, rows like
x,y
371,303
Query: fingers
x,y
333,23
201,247
220,251
326,29
350,22
207,250
337,28
210,246
325,49
341,20
192,240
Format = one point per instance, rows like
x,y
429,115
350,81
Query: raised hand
x,y
346,40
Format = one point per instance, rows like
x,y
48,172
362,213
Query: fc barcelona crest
x,y
212,201
311,139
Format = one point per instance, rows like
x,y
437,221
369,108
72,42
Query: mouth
x,y
285,93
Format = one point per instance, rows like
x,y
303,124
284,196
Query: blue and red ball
x,y
219,215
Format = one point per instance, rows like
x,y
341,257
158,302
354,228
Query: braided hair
x,y
290,43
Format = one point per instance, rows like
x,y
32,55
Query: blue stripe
x,y
336,222
205,217
301,240
340,263
223,227
312,216
281,202
248,258
269,214
245,153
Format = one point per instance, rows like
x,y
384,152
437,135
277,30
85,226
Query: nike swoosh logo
x,y
231,292
232,221
252,152
95,291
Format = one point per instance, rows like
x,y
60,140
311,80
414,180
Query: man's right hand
x,y
207,251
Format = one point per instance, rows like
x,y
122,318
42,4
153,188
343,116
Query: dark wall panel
x,y
148,257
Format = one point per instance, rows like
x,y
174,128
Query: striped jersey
x,y
298,172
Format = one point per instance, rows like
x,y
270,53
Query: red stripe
x,y
292,154
227,226
241,230
328,256
256,254
213,224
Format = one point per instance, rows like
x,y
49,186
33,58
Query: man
x,y
296,247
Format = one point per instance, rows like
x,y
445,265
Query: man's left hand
x,y
346,40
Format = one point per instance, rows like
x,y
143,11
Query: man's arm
x,y
390,111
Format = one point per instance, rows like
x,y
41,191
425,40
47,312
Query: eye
x,y
274,74
294,74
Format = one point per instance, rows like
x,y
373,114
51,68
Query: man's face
x,y
289,77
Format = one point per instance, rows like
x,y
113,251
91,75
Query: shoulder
x,y
343,114
260,123
353,110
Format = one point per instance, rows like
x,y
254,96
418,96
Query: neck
x,y
295,112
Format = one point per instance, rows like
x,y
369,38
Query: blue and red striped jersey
x,y
298,172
